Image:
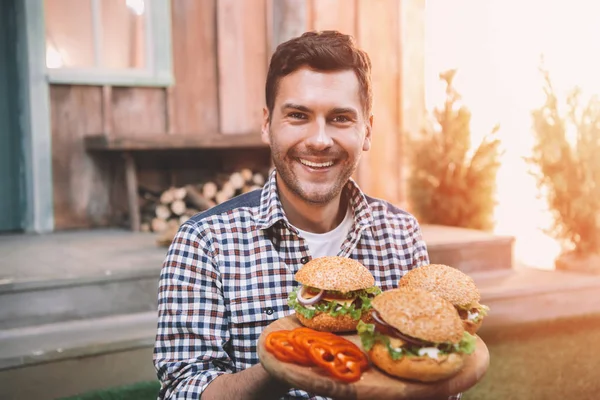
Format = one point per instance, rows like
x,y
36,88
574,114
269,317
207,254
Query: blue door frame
x,y
12,197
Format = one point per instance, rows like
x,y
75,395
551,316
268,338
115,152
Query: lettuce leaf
x,y
467,344
368,337
333,307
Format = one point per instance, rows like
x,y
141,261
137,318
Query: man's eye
x,y
297,115
341,118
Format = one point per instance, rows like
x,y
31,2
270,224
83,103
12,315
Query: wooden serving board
x,y
373,384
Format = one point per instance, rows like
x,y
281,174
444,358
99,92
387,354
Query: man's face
x,y
317,133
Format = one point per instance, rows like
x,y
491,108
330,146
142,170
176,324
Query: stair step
x,y
38,302
64,340
468,250
528,295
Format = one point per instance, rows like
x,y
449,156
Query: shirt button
x,y
304,260
269,311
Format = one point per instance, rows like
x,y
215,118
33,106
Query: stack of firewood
x,y
164,212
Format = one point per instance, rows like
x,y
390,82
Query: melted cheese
x,y
345,302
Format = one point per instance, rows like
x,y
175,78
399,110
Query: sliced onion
x,y
396,332
308,302
378,319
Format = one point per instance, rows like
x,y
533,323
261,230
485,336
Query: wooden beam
x,y
194,98
132,192
242,55
411,107
339,15
116,142
288,19
378,35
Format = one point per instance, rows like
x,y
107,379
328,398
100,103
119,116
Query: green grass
x,y
552,360
542,361
138,391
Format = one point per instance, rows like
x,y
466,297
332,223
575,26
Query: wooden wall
x,y
218,91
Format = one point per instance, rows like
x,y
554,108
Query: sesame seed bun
x,y
420,314
324,322
422,369
447,282
335,273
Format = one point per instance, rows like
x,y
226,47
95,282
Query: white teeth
x,y
316,165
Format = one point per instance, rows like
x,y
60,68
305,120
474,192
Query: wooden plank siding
x,y
221,50
80,181
243,63
378,35
195,93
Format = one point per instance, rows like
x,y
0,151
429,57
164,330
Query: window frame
x,y
159,69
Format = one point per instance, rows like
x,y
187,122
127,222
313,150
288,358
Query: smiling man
x,y
229,270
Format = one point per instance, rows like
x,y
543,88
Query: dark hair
x,y
321,51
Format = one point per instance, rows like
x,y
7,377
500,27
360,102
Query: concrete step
x,y
527,295
43,301
64,359
468,250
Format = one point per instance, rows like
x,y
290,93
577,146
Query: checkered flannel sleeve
x,y
420,255
192,327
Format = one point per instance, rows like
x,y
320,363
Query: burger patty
x,y
410,341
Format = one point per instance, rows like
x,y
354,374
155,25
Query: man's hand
x,y
252,383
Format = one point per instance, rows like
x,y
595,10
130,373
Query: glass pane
x,y
69,35
123,33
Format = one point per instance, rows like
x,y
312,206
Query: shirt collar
x,y
271,211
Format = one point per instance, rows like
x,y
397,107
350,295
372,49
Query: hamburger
x,y
452,285
334,294
415,335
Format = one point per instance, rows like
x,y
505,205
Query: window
x,y
108,42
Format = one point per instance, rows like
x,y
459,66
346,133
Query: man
x,y
229,270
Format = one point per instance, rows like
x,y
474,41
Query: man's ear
x,y
369,129
265,127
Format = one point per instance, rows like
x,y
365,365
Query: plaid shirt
x,y
229,270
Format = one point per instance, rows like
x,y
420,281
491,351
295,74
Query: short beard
x,y
290,180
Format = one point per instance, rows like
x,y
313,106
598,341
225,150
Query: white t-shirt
x,y
328,243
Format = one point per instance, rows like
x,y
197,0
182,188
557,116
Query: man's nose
x,y
320,138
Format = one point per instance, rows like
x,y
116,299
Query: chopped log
x,y
178,207
249,188
183,219
190,212
165,238
258,179
246,174
179,193
237,180
209,190
222,197
163,211
159,225
228,189
167,196
196,199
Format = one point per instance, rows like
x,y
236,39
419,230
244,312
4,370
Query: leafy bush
x,y
567,166
451,183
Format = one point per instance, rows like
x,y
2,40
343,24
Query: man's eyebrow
x,y
298,107
344,110
336,110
